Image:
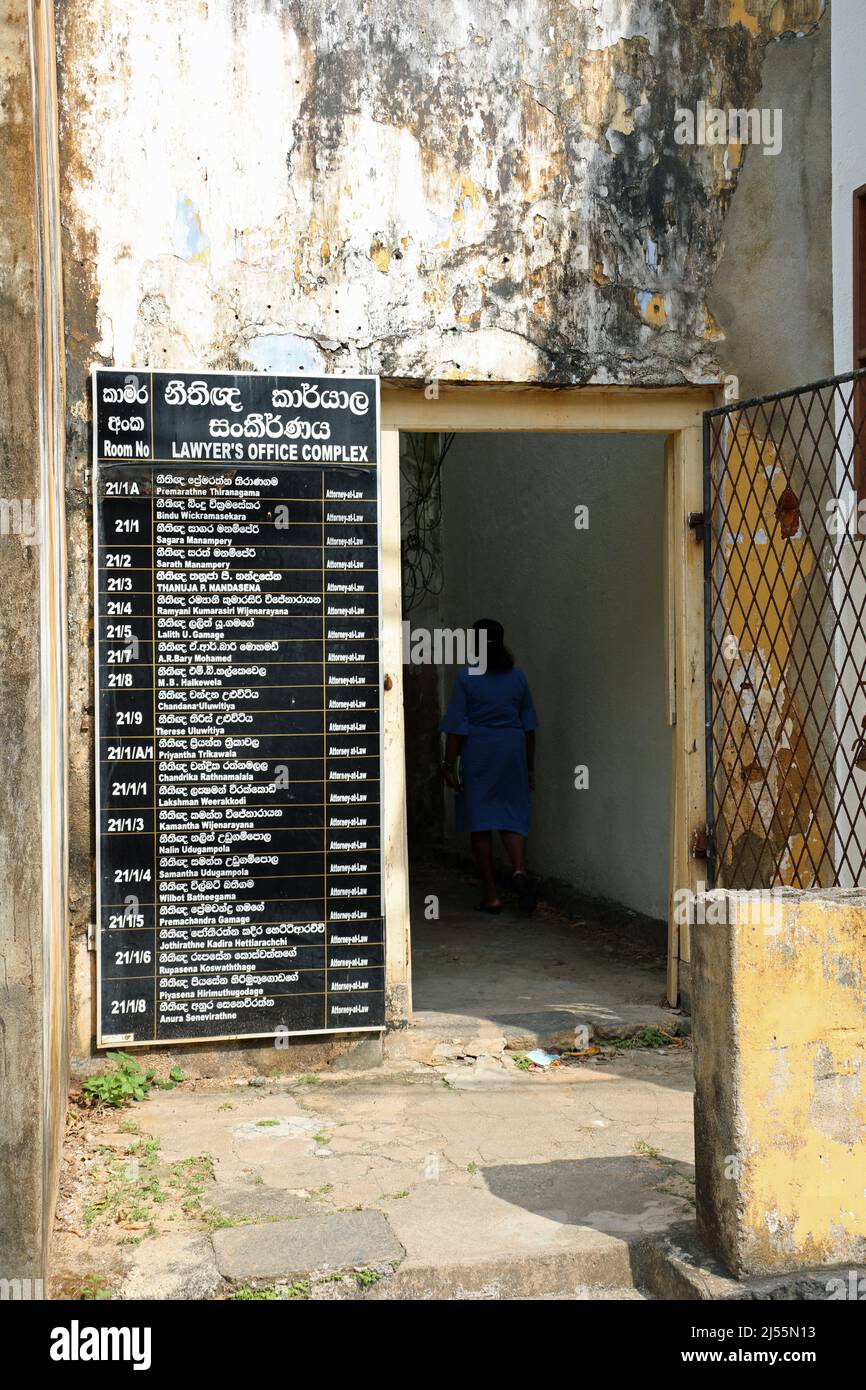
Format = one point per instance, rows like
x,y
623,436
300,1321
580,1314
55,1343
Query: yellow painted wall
x,y
799,988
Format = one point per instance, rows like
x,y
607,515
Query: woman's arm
x,y
452,748
529,720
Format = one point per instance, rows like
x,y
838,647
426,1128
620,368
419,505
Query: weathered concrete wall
x,y
409,190
780,1072
773,288
33,940
21,1081
772,291
583,611
415,190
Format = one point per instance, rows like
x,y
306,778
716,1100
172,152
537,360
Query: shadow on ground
x,y
618,1196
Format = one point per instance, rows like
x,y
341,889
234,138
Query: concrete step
x,y
599,1264
361,1247
591,1295
581,1293
674,1265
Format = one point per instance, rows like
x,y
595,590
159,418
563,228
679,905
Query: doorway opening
x,y
562,537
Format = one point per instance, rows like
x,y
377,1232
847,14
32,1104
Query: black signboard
x,y
236,533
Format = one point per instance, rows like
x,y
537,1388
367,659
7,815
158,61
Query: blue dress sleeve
x,y
456,719
528,717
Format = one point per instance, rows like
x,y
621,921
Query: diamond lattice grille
x,y
785,571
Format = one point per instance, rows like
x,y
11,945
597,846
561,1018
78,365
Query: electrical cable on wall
x,y
421,516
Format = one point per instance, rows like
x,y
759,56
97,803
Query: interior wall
x,y
583,611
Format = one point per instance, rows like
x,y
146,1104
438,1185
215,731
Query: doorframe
x,y
677,414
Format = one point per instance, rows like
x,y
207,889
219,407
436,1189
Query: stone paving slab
x,y
173,1267
256,1202
281,1249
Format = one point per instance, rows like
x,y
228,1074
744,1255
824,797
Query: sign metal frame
x,y
115,1040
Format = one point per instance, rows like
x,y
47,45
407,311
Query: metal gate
x,y
784,528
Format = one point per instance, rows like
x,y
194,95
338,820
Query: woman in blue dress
x,y
489,760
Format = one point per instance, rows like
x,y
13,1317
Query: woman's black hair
x,y
499,658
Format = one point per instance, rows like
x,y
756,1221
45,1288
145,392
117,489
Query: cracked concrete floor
x,y
485,1174
448,1171
532,978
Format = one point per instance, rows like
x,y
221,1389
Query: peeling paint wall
x,y
406,189
772,290
424,191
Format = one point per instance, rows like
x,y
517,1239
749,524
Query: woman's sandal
x,y
527,897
